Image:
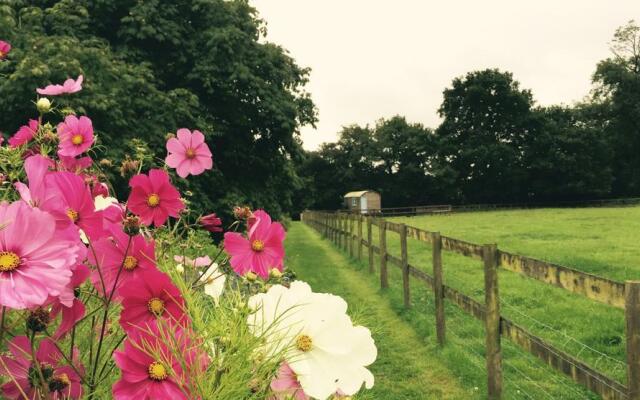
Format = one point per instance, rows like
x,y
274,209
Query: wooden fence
x,y
341,229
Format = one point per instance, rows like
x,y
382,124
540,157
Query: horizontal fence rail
x,y
339,227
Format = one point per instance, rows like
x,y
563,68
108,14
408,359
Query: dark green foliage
x,y
154,66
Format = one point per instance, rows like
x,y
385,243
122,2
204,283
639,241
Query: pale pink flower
x,y
36,258
286,386
188,154
76,136
68,87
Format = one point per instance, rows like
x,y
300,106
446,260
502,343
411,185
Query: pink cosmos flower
x,y
286,386
153,198
69,86
262,251
75,165
68,304
36,194
211,222
25,134
36,259
120,257
188,154
157,364
76,136
75,203
62,380
5,48
148,297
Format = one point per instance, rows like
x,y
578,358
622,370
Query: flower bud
x,y
106,163
131,225
38,320
211,223
129,167
43,105
275,273
243,212
251,276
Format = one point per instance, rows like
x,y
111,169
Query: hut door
x,y
363,204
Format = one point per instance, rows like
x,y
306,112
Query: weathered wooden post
x,y
632,319
438,287
351,234
382,229
370,241
492,322
359,236
404,263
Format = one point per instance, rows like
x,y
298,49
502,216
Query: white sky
x,y
375,58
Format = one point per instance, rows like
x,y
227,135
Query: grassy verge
x,y
407,367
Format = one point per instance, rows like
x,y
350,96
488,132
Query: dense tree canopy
x,y
152,67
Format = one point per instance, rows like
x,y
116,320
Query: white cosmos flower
x,y
214,281
101,202
320,343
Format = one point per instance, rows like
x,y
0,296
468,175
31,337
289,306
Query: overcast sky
x,y
377,58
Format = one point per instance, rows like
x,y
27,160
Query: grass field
x,y
603,241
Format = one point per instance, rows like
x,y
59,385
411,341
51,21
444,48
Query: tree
x,y
618,93
486,121
152,67
567,158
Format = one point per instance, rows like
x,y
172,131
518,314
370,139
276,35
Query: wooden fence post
x,y
351,234
438,287
492,322
370,241
632,319
359,236
382,229
404,260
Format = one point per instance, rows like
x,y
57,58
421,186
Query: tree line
x,y
495,145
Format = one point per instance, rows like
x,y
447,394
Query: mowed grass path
x,y
407,367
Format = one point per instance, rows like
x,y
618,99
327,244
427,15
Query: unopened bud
x,y
251,276
131,225
106,163
275,273
43,105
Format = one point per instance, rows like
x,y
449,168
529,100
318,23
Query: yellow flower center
x,y
77,140
157,371
191,153
9,261
153,200
64,379
156,306
257,245
72,214
304,343
130,262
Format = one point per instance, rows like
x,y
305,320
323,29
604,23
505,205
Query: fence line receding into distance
x,y
345,230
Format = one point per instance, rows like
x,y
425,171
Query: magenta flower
x,y
148,297
68,304
5,48
188,154
37,193
286,386
158,365
36,258
75,165
153,198
211,223
25,134
75,203
68,87
120,252
76,136
262,251
62,380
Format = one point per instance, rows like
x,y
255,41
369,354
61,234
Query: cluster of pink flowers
x,y
72,254
59,249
